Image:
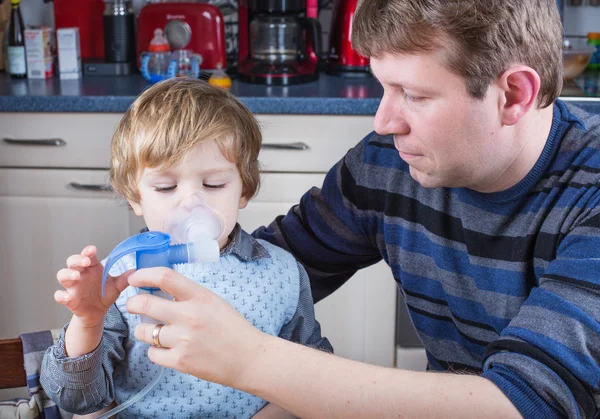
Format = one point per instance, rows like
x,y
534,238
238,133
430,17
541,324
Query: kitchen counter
x,y
329,95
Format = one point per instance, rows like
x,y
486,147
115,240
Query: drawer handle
x,y
90,187
285,146
53,142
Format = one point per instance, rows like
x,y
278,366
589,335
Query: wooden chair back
x,y
12,369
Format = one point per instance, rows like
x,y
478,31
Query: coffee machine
x,y
279,41
342,59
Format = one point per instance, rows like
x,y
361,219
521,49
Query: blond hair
x,y
169,120
480,39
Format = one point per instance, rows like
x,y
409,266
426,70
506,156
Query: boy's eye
x,y
164,188
214,186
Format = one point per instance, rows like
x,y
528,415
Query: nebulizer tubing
x,y
138,396
197,228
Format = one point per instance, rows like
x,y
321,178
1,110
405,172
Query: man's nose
x,y
389,119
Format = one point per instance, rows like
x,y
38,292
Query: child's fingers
x,y
62,297
68,277
122,281
66,299
78,262
90,253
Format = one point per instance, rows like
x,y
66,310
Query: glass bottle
x,y
17,66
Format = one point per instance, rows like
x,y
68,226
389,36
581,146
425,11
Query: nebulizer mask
x,y
190,235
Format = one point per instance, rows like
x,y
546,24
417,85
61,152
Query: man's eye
x,y
414,98
164,188
214,186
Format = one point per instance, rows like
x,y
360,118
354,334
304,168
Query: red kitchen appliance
x,y
342,59
86,15
279,41
198,27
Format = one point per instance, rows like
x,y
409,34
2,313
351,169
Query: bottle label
x,y
16,60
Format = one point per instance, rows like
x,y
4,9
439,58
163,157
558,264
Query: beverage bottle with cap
x,y
159,54
17,66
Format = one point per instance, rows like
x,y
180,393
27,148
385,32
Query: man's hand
x,y
204,335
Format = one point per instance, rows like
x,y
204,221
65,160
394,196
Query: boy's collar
x,y
244,246
241,244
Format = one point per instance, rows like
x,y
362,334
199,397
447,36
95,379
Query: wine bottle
x,y
17,66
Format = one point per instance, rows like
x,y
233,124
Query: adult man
x,y
480,191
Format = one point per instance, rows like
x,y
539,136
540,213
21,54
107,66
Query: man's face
x,y
205,169
448,138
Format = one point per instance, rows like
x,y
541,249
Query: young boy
x,y
179,138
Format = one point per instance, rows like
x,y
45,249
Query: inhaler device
x,y
191,234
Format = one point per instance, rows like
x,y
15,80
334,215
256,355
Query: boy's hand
x,y
82,279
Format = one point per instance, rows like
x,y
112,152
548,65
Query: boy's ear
x,y
243,202
137,209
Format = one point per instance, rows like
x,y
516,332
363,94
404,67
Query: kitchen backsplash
x,y
579,20
38,13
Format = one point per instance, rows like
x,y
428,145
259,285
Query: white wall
x,y
579,20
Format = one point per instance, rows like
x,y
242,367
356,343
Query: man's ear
x,y
520,86
135,206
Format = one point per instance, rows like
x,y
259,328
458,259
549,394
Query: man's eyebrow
x,y
420,89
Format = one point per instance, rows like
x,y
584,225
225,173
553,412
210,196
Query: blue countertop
x,y
329,95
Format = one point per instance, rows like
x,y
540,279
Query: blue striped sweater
x,y
505,285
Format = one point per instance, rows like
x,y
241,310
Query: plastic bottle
x,y
220,79
594,40
159,54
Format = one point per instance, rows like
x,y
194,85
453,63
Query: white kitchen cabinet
x,y
43,219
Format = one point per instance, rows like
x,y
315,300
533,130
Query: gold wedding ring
x,y
155,333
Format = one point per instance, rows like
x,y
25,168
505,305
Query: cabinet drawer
x,y
291,143
326,139
53,183
64,140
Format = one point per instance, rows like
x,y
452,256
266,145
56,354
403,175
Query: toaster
x,y
198,27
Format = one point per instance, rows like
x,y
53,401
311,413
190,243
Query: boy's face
x,y
447,137
205,169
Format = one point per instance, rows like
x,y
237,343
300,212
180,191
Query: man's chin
x,y
425,180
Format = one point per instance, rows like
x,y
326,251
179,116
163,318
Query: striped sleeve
x,y
85,384
547,359
304,328
324,233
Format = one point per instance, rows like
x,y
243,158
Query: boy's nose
x,y
184,194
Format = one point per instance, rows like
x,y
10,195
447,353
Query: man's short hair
x,y
170,119
479,39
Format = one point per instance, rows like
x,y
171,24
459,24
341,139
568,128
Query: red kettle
x,y
342,59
